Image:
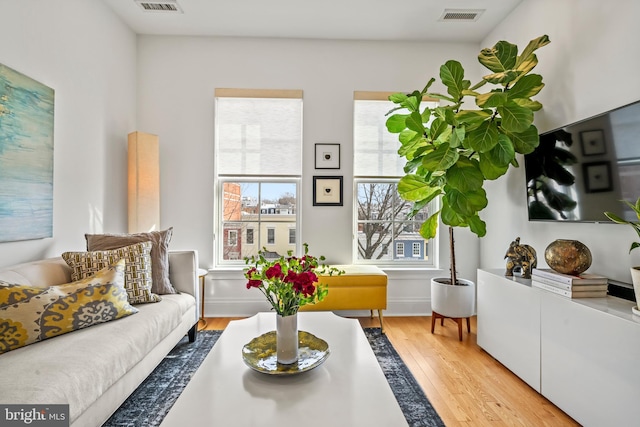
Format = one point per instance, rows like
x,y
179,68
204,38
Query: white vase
x,y
287,339
635,278
453,301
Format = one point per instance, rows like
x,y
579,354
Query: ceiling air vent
x,y
170,6
459,15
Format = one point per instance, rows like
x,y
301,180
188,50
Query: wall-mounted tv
x,y
584,169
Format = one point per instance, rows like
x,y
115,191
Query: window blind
x,y
258,132
375,149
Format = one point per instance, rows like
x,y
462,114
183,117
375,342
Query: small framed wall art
x,y
597,177
327,156
327,191
593,142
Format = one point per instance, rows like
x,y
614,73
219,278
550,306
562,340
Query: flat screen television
x,y
584,169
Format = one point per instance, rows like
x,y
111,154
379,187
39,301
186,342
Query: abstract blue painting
x,y
26,157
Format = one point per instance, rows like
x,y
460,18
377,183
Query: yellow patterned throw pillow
x,y
137,272
29,314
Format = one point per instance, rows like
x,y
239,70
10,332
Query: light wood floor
x,y
465,385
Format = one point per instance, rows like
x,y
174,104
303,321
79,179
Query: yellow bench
x,y
361,287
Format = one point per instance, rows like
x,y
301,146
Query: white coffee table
x,y
348,389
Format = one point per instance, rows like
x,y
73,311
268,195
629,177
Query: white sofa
x,y
95,369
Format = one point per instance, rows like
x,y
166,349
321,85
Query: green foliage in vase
x,y
634,224
453,148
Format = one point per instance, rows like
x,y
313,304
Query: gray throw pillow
x,y
159,253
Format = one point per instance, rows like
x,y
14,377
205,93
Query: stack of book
x,y
583,286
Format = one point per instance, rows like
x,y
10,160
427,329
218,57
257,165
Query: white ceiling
x,y
417,20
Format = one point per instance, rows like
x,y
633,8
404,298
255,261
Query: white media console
x,y
581,354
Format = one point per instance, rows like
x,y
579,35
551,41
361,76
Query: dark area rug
x,y
414,404
148,405
151,401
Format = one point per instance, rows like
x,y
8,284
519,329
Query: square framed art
x,y
593,142
327,156
327,191
597,177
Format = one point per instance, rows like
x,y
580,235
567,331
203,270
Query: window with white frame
x,y
258,164
416,252
384,226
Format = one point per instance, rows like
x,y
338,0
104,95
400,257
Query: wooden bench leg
x,y
381,322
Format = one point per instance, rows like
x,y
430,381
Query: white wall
x,y
589,68
88,56
176,82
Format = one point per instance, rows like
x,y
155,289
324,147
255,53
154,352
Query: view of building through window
x,y
263,214
385,231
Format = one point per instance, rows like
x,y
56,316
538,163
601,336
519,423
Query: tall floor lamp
x,y
144,182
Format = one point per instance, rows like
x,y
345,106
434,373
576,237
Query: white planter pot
x,y
635,278
453,301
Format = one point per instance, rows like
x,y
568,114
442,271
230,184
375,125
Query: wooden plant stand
x,y
458,320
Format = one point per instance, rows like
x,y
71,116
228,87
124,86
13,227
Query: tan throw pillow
x,y
29,314
159,253
137,272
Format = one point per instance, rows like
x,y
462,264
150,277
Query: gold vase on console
x,y
568,256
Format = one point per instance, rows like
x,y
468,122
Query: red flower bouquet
x,y
288,282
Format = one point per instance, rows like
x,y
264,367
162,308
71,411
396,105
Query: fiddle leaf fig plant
x,y
452,149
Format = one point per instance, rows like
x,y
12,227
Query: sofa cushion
x,y
30,314
137,272
159,253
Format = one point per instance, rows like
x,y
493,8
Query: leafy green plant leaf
x,y
526,87
408,135
429,228
450,217
489,169
531,47
397,98
501,57
528,103
438,126
452,76
515,118
414,122
503,152
525,142
473,116
465,203
484,137
397,123
442,158
477,226
502,78
491,99
414,188
465,175
411,103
